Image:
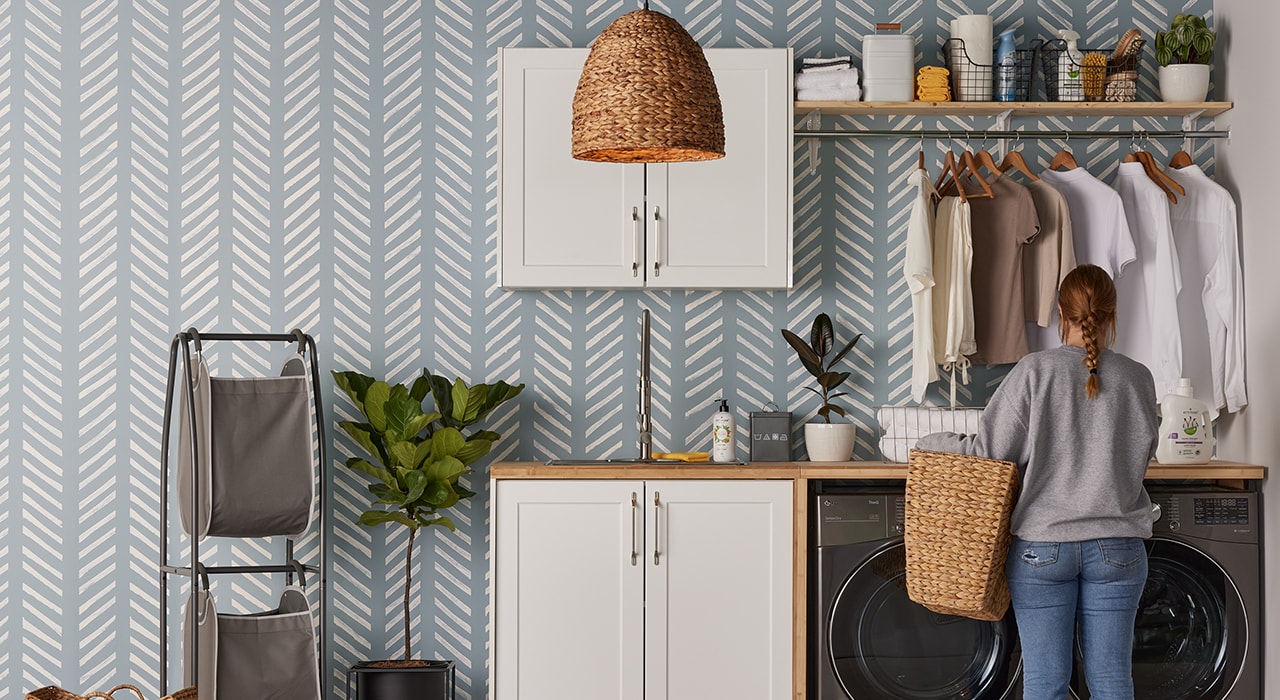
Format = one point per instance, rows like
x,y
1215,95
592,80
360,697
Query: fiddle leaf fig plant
x,y
1188,40
414,458
813,355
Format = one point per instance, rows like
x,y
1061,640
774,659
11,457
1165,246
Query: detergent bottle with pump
x,y
1070,65
1185,430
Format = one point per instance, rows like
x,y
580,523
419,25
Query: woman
x,y
1080,422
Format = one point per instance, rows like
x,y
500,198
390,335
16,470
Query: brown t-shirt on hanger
x,y
1047,259
1001,225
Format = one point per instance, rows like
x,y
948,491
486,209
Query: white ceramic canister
x,y
888,65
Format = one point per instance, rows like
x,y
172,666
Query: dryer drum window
x,y
1190,628
883,646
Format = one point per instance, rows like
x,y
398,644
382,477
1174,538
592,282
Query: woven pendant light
x,y
647,95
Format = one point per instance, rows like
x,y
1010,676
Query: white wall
x,y
1247,165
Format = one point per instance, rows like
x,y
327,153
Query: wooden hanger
x,y
984,159
1180,160
1158,176
1064,158
971,167
1014,159
950,168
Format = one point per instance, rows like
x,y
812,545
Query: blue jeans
x,y
1052,583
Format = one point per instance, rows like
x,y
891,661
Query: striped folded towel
x,y
818,64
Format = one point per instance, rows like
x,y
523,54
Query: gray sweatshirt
x,y
1082,461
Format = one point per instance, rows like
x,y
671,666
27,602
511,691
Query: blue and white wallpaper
x,y
332,165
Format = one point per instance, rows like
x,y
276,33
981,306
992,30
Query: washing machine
x,y
1197,635
868,640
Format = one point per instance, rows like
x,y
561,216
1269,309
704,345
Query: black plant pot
x,y
432,681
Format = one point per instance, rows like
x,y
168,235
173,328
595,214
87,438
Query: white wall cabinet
x,y
723,224
642,590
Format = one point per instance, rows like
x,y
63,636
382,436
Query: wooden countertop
x,y
1217,469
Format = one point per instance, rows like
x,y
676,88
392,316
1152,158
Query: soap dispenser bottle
x,y
722,430
1185,431
1070,65
1006,67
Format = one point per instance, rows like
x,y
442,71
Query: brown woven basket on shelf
x,y
53,692
957,532
184,694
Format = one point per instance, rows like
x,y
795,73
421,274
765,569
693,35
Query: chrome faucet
x,y
645,418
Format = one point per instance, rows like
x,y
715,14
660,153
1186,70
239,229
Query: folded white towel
x,y
843,78
834,68
830,94
826,62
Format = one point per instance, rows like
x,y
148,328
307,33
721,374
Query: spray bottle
x,y
1185,432
1006,67
722,436
1070,63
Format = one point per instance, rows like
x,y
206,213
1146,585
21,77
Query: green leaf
x,y
420,423
378,517
446,442
822,337
442,392
467,401
421,387
807,356
404,454
474,449
484,435
417,482
378,473
388,495
363,434
441,521
401,413
446,469
355,385
375,401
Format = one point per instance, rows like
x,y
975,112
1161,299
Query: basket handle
x,y
111,693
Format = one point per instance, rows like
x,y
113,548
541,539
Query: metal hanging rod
x,y
1005,134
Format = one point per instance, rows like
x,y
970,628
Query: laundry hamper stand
x,y
188,340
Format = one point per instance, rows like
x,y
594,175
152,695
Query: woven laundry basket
x,y
53,692
957,532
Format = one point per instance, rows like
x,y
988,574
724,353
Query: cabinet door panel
x,y
563,222
727,223
719,597
568,601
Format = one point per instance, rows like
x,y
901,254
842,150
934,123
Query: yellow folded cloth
x,y
684,456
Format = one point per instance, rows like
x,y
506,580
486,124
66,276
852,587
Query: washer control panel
x,y
1226,510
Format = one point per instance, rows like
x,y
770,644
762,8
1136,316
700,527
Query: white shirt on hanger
x,y
953,336
917,269
1147,292
1211,305
1099,233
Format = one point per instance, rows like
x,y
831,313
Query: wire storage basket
x,y
902,426
976,78
1104,75
957,533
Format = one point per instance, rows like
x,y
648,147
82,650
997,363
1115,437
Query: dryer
x,y
1197,635
869,641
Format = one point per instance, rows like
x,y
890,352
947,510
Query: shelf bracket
x,y
1189,124
813,122
1002,124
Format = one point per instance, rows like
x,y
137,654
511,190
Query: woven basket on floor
x,y
184,694
53,692
957,532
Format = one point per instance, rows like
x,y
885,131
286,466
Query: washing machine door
x,y
1189,636
883,646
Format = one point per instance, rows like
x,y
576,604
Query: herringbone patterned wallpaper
x,y
255,166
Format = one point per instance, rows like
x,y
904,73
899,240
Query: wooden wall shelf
x,y
1018,109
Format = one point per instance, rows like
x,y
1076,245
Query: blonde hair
x,y
1087,298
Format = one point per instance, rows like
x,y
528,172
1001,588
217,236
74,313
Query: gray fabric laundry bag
x,y
255,464
262,656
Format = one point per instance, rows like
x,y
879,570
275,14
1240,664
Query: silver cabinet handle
x,y
635,242
635,513
656,521
657,241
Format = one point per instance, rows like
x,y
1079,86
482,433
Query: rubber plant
x,y
813,355
415,457
1188,40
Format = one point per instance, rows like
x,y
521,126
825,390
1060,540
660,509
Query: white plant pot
x,y
1184,82
829,442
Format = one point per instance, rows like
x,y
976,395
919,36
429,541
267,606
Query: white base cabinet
x,y
642,590
723,224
